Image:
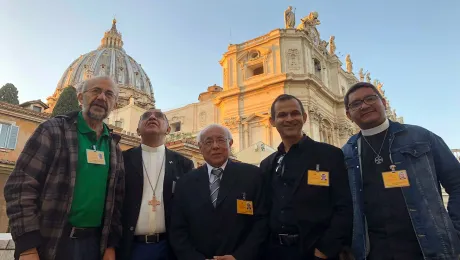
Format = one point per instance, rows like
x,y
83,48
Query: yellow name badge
x,y
318,178
244,207
95,157
395,179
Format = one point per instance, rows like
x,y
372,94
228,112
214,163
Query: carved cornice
x,y
178,136
232,122
23,113
345,129
180,119
314,113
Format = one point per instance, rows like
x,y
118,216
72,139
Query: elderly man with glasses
x,y
396,171
152,171
307,190
65,194
219,210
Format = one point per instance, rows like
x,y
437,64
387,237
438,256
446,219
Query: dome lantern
x,y
109,59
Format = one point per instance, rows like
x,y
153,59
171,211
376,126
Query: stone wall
x,y
6,247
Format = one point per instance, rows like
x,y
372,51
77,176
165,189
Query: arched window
x,y
317,67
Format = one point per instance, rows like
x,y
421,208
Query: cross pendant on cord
x,y
154,203
378,159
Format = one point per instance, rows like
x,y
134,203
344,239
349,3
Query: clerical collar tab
x,y
152,149
376,130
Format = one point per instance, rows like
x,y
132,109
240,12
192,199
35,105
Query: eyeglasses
x,y
97,91
220,141
369,100
157,114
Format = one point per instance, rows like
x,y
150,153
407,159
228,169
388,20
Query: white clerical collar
x,y
150,149
375,130
210,168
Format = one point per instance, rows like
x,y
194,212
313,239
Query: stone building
x,y
294,61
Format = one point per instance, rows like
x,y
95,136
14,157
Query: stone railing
x,y
6,247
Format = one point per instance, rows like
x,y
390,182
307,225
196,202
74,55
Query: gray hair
x,y
201,133
82,86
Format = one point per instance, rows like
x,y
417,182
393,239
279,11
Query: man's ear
x,y
272,121
80,98
348,115
384,102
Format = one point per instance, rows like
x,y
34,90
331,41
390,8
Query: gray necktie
x,y
215,185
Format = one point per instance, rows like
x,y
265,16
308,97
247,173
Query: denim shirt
x,y
429,164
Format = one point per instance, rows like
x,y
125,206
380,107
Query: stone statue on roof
x,y
349,64
361,75
309,21
332,47
289,18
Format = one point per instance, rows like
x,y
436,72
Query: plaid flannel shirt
x,y
39,191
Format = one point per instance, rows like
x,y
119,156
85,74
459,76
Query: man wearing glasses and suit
x,y
311,211
151,175
219,210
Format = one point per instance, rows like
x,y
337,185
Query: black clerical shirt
x,y
390,230
282,219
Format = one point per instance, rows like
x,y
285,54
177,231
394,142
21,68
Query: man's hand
x,y
31,254
225,257
319,254
109,254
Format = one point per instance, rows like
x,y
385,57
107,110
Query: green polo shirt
x,y
91,182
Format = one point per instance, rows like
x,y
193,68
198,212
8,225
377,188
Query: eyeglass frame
x,y
97,92
362,101
280,165
162,117
210,142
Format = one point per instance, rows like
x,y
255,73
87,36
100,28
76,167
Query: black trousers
x,y
83,245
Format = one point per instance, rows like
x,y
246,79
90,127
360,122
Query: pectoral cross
x,y
154,203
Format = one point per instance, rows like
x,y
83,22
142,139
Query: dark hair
x,y
284,97
357,86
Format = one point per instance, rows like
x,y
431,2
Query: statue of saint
x,y
361,75
349,64
332,45
102,71
121,76
368,77
138,81
308,22
379,86
323,46
289,18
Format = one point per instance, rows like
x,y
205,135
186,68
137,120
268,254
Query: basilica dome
x,y
109,59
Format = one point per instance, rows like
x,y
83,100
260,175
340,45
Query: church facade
x,y
292,61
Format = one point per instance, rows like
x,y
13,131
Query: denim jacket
x,y
429,163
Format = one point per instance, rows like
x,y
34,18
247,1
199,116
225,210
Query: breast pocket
x,y
417,158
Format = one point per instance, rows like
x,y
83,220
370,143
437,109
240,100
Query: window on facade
x,y
119,123
8,136
317,66
175,127
37,109
258,71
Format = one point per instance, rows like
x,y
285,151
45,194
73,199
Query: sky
x,y
412,46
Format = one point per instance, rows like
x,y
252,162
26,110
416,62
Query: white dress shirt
x,y
152,222
210,168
